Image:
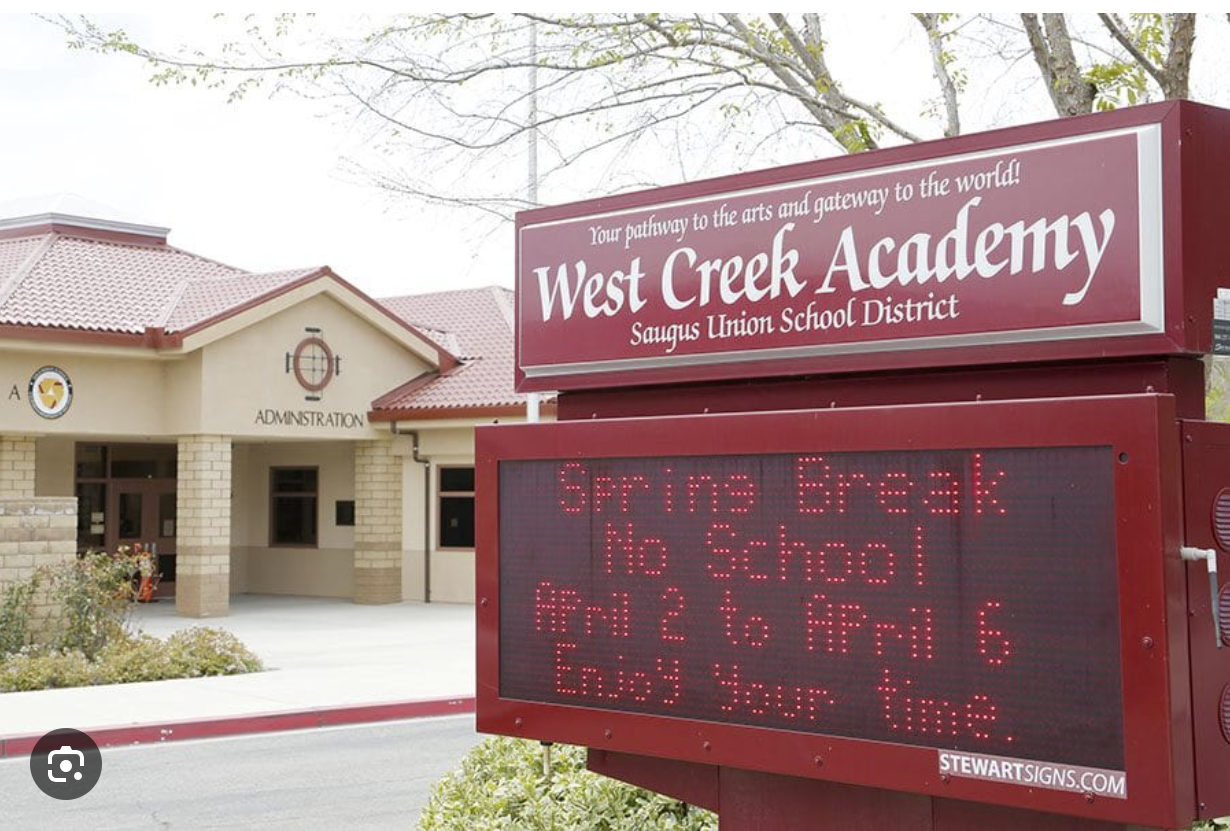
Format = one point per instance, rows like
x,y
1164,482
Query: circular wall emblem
x,y
50,392
313,364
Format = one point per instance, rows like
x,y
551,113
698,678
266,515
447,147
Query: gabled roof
x,y
77,282
476,325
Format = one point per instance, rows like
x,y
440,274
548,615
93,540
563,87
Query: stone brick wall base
x,y
202,595
35,531
373,586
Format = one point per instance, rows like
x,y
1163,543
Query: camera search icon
x,y
65,764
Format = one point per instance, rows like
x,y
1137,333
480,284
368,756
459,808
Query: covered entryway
x,y
126,496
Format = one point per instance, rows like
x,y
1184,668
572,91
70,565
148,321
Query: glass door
x,y
143,512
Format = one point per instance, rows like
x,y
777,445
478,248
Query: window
x,y
456,507
292,506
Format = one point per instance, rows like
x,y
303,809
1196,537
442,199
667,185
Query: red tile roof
x,y
202,300
72,279
96,284
476,325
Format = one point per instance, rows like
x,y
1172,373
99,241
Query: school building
x,y
275,433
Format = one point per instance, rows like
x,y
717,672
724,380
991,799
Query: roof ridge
x,y
22,271
503,302
196,256
168,310
177,297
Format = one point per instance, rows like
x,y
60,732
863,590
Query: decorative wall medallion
x,y
51,392
313,363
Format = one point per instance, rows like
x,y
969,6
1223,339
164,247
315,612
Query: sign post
x,y
971,594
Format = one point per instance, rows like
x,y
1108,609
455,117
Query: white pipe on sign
x,y
1209,555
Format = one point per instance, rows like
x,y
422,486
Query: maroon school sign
x,y
891,259
971,584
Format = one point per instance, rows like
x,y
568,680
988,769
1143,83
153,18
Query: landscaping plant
x,y
68,625
501,785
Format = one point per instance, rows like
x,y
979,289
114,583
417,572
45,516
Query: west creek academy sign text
x,y
1054,240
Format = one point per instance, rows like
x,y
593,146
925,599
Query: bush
x,y
134,658
67,626
44,671
78,605
203,651
500,785
16,602
95,594
190,653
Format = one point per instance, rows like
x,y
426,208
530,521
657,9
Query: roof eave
x,y
444,413
151,338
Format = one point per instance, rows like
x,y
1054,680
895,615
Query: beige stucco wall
x,y
256,567
182,389
112,396
244,374
55,473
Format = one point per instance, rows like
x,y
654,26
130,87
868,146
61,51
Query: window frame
x,y
274,496
441,495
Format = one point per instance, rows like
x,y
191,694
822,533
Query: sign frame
x,y
1179,288
1151,592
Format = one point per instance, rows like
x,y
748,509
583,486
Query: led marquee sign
x,y
927,598
903,597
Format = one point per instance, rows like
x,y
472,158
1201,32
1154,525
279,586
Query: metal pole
x,y
531,185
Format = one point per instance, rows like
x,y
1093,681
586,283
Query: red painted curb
x,y
11,746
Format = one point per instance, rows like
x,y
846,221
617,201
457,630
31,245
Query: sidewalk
x,y
319,654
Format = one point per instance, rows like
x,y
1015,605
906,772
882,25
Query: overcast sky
x,y
258,184
255,184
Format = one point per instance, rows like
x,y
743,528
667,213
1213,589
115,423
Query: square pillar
x,y
377,522
203,535
16,467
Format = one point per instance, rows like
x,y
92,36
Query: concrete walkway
x,y
318,653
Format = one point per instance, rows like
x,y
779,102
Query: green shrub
x,y
203,651
94,594
500,786
77,605
134,658
16,605
44,671
190,653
